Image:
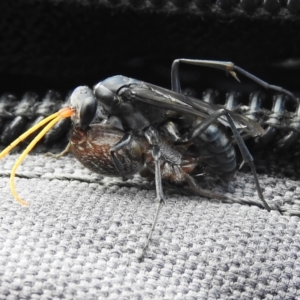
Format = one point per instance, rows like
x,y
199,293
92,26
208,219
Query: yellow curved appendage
x,y
26,134
63,113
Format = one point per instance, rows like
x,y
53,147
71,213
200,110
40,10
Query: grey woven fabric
x,y
81,236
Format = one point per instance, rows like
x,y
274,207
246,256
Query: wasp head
x,y
83,101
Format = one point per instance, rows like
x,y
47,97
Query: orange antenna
x,y
63,113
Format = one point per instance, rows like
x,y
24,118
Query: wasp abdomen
x,y
217,151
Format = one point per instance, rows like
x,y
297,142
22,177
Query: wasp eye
x,y
87,111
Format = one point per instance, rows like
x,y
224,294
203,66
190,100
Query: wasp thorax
x,y
106,97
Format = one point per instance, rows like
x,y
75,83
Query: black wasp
x,y
163,130
147,110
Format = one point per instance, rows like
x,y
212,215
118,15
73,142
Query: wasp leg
x,y
141,257
62,153
158,180
124,142
159,196
153,138
198,129
226,66
208,194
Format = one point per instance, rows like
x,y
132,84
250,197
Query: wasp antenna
x,y
26,134
233,74
64,113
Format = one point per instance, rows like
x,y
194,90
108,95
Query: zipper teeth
x,y
19,114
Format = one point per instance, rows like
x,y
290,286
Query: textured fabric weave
x,y
81,236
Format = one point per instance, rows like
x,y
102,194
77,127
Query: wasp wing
x,y
167,99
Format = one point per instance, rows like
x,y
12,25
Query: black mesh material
x,y
46,44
